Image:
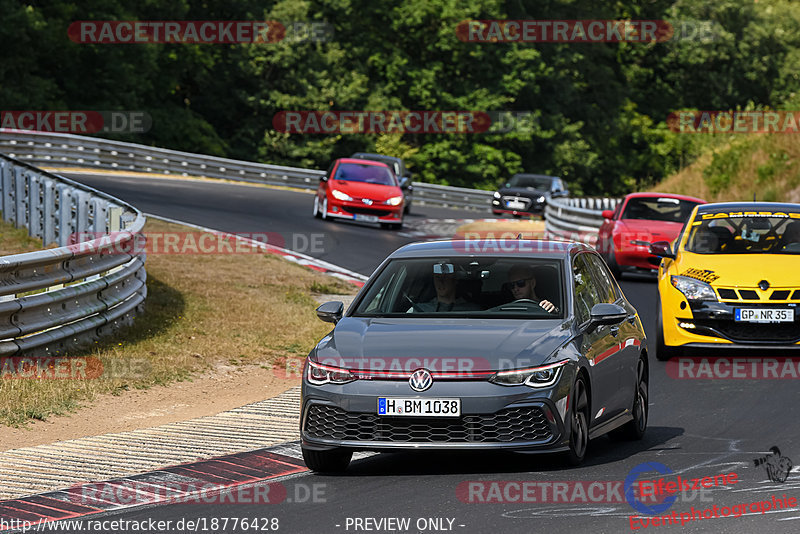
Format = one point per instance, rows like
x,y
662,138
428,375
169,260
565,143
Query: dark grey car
x,y
527,194
436,353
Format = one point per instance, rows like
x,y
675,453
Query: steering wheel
x,y
526,301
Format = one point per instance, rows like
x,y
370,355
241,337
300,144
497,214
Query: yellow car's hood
x,y
740,270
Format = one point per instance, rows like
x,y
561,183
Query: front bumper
x,y
359,211
533,208
492,417
713,324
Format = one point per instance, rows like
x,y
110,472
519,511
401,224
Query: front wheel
x,y
330,461
316,207
579,424
611,260
663,352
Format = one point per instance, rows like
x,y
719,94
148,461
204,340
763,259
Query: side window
x,y
605,287
329,172
586,295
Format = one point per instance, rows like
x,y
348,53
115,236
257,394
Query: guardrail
x,y
57,299
66,150
576,219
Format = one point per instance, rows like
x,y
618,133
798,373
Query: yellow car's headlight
x,y
693,289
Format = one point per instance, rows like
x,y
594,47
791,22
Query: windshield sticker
x,y
700,274
736,214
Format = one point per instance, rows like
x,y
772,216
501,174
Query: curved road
x,y
697,428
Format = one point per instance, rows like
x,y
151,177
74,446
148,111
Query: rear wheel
x,y
663,352
330,461
579,424
634,430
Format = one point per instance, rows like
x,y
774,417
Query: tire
x,y
407,209
579,424
324,214
330,461
663,352
611,260
634,430
316,207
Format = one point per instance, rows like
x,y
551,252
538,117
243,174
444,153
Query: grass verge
x,y
202,311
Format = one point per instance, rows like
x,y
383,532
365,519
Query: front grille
x,y
506,426
367,211
748,332
751,294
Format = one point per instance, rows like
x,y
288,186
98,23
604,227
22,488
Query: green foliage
x,y
598,110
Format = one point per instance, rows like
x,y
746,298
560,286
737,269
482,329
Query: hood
x,y
645,230
365,190
441,345
528,192
741,270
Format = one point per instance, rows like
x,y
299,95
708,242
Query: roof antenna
x,y
754,197
519,236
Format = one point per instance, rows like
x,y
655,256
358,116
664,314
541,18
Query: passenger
x,y
791,237
522,280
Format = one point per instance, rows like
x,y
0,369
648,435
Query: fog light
x,y
687,326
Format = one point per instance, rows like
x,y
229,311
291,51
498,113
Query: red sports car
x,y
360,190
640,219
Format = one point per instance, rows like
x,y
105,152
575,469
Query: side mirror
x,y
404,181
606,313
331,312
661,249
323,178
608,214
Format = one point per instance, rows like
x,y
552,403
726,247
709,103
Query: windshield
x,y
530,182
465,287
658,209
357,172
720,233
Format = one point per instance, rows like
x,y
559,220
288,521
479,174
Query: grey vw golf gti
x,y
520,345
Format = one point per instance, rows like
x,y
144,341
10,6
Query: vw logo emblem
x,y
420,380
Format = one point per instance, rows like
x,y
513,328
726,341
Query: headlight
x,y
338,195
540,199
319,374
693,289
535,377
496,194
394,201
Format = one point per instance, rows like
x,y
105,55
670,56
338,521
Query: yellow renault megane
x,y
732,279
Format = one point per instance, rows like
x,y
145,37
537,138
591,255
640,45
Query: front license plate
x,y
400,406
366,218
764,315
515,205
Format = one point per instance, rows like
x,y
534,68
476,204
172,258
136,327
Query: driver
x,y
523,283
447,297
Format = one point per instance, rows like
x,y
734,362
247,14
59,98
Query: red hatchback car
x,y
360,190
640,219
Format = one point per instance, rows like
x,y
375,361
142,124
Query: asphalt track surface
x,y
697,428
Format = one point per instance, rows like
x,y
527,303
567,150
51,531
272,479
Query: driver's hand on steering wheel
x,y
548,306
